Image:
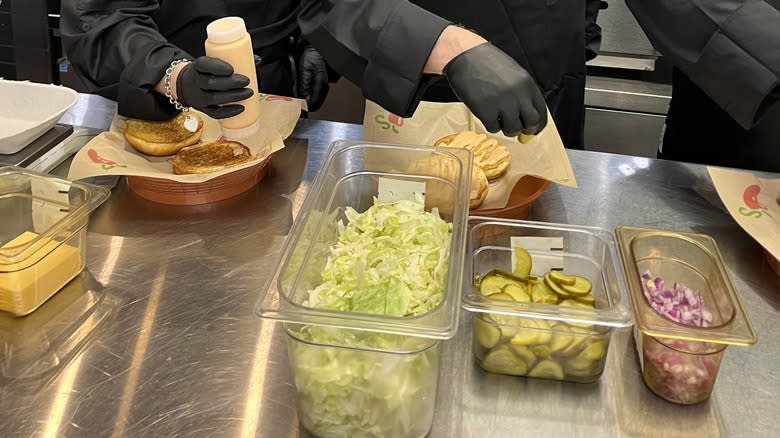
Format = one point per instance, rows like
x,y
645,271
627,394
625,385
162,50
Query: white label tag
x,y
542,263
392,190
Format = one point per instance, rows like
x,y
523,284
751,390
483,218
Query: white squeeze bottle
x,y
228,40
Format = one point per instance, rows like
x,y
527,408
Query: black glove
x,y
500,92
209,85
312,78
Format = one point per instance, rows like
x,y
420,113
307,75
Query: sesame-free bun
x,y
210,157
490,155
479,187
446,169
161,138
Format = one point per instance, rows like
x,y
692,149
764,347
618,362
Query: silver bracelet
x,y
190,124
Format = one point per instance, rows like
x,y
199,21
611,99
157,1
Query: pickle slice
x,y
492,283
580,287
519,292
561,339
524,138
502,296
532,279
586,299
501,360
523,262
547,369
540,293
542,351
507,324
487,334
578,366
577,339
524,353
562,279
593,352
525,337
534,331
555,287
571,302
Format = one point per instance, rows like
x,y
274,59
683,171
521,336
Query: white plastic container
x,y
28,110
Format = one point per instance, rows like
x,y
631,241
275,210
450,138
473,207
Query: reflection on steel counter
x,y
186,355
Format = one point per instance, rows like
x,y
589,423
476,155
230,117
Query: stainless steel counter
x,y
158,337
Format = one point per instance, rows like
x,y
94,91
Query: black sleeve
x,y
116,49
592,29
380,45
729,48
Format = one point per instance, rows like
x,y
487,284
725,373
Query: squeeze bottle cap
x,y
226,30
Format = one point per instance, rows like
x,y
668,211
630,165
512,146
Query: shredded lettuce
x,y
346,392
388,260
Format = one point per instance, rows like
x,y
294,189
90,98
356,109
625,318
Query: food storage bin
x,y
535,337
36,347
366,372
680,352
42,235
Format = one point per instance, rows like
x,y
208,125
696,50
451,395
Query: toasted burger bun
x,y
490,155
210,157
160,139
479,187
440,194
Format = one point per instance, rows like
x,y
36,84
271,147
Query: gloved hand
x,y
312,78
209,85
500,92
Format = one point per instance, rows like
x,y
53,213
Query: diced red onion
x,y
678,303
678,376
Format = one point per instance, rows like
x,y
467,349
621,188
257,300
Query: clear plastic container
x,y
37,346
365,392
680,362
533,339
42,235
361,374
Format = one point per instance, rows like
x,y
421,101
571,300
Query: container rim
x,y
617,315
439,323
94,196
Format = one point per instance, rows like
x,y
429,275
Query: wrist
x,y
452,42
160,86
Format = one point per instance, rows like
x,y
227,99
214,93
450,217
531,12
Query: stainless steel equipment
x,y
628,92
623,43
185,355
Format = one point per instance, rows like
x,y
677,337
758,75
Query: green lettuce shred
x,y
389,260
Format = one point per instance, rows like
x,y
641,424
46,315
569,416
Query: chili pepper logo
x,y
391,121
106,164
754,207
273,97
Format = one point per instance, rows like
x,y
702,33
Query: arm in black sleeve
x,y
729,48
592,29
380,45
119,53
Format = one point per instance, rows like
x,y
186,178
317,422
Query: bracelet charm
x,y
190,124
